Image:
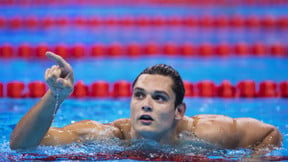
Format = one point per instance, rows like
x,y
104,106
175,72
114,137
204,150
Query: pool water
x,y
107,110
270,110
194,69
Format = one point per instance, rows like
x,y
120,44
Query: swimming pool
x,y
270,110
104,25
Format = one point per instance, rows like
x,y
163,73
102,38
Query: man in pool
x,y
157,113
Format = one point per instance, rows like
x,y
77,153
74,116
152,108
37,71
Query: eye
x,y
160,98
139,95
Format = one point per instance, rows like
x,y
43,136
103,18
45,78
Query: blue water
x,y
193,69
272,110
107,110
124,35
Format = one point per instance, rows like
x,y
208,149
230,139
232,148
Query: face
x,y
152,105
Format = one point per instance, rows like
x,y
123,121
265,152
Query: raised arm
x,y
34,125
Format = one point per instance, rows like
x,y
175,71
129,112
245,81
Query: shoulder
x,y
121,122
199,122
124,127
205,125
216,129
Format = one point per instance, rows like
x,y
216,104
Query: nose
x,y
146,108
146,104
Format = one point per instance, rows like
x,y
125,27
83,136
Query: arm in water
x,y
34,125
237,132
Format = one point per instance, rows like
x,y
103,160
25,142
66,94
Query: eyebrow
x,y
138,89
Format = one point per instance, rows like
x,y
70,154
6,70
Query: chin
x,y
145,130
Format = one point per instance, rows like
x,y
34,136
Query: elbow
x,y
275,137
272,139
17,144
14,141
14,145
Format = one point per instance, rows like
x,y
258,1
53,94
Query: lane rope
x,y
133,49
122,88
267,21
228,3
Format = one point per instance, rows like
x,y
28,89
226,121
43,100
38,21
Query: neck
x,y
168,137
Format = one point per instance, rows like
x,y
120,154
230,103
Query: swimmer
x,y
157,113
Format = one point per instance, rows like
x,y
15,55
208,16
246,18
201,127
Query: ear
x,y
180,111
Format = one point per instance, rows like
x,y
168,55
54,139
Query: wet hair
x,y
166,70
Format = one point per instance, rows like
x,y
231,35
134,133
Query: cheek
x,y
167,114
133,108
165,121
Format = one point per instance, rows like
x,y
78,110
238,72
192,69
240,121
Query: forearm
x,y
35,124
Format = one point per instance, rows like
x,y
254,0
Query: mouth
x,y
146,119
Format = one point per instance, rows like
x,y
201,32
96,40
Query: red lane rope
x,y
122,88
79,50
210,21
141,2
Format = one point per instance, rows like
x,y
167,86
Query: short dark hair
x,y
166,70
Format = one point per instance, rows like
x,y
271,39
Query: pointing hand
x,y
60,77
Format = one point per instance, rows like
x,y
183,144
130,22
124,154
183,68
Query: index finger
x,y
58,59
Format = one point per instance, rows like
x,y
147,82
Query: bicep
x,y
79,132
218,129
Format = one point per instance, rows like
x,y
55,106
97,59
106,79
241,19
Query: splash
x,y
136,150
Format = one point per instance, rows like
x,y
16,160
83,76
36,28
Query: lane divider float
x,y
122,88
116,49
208,3
209,21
